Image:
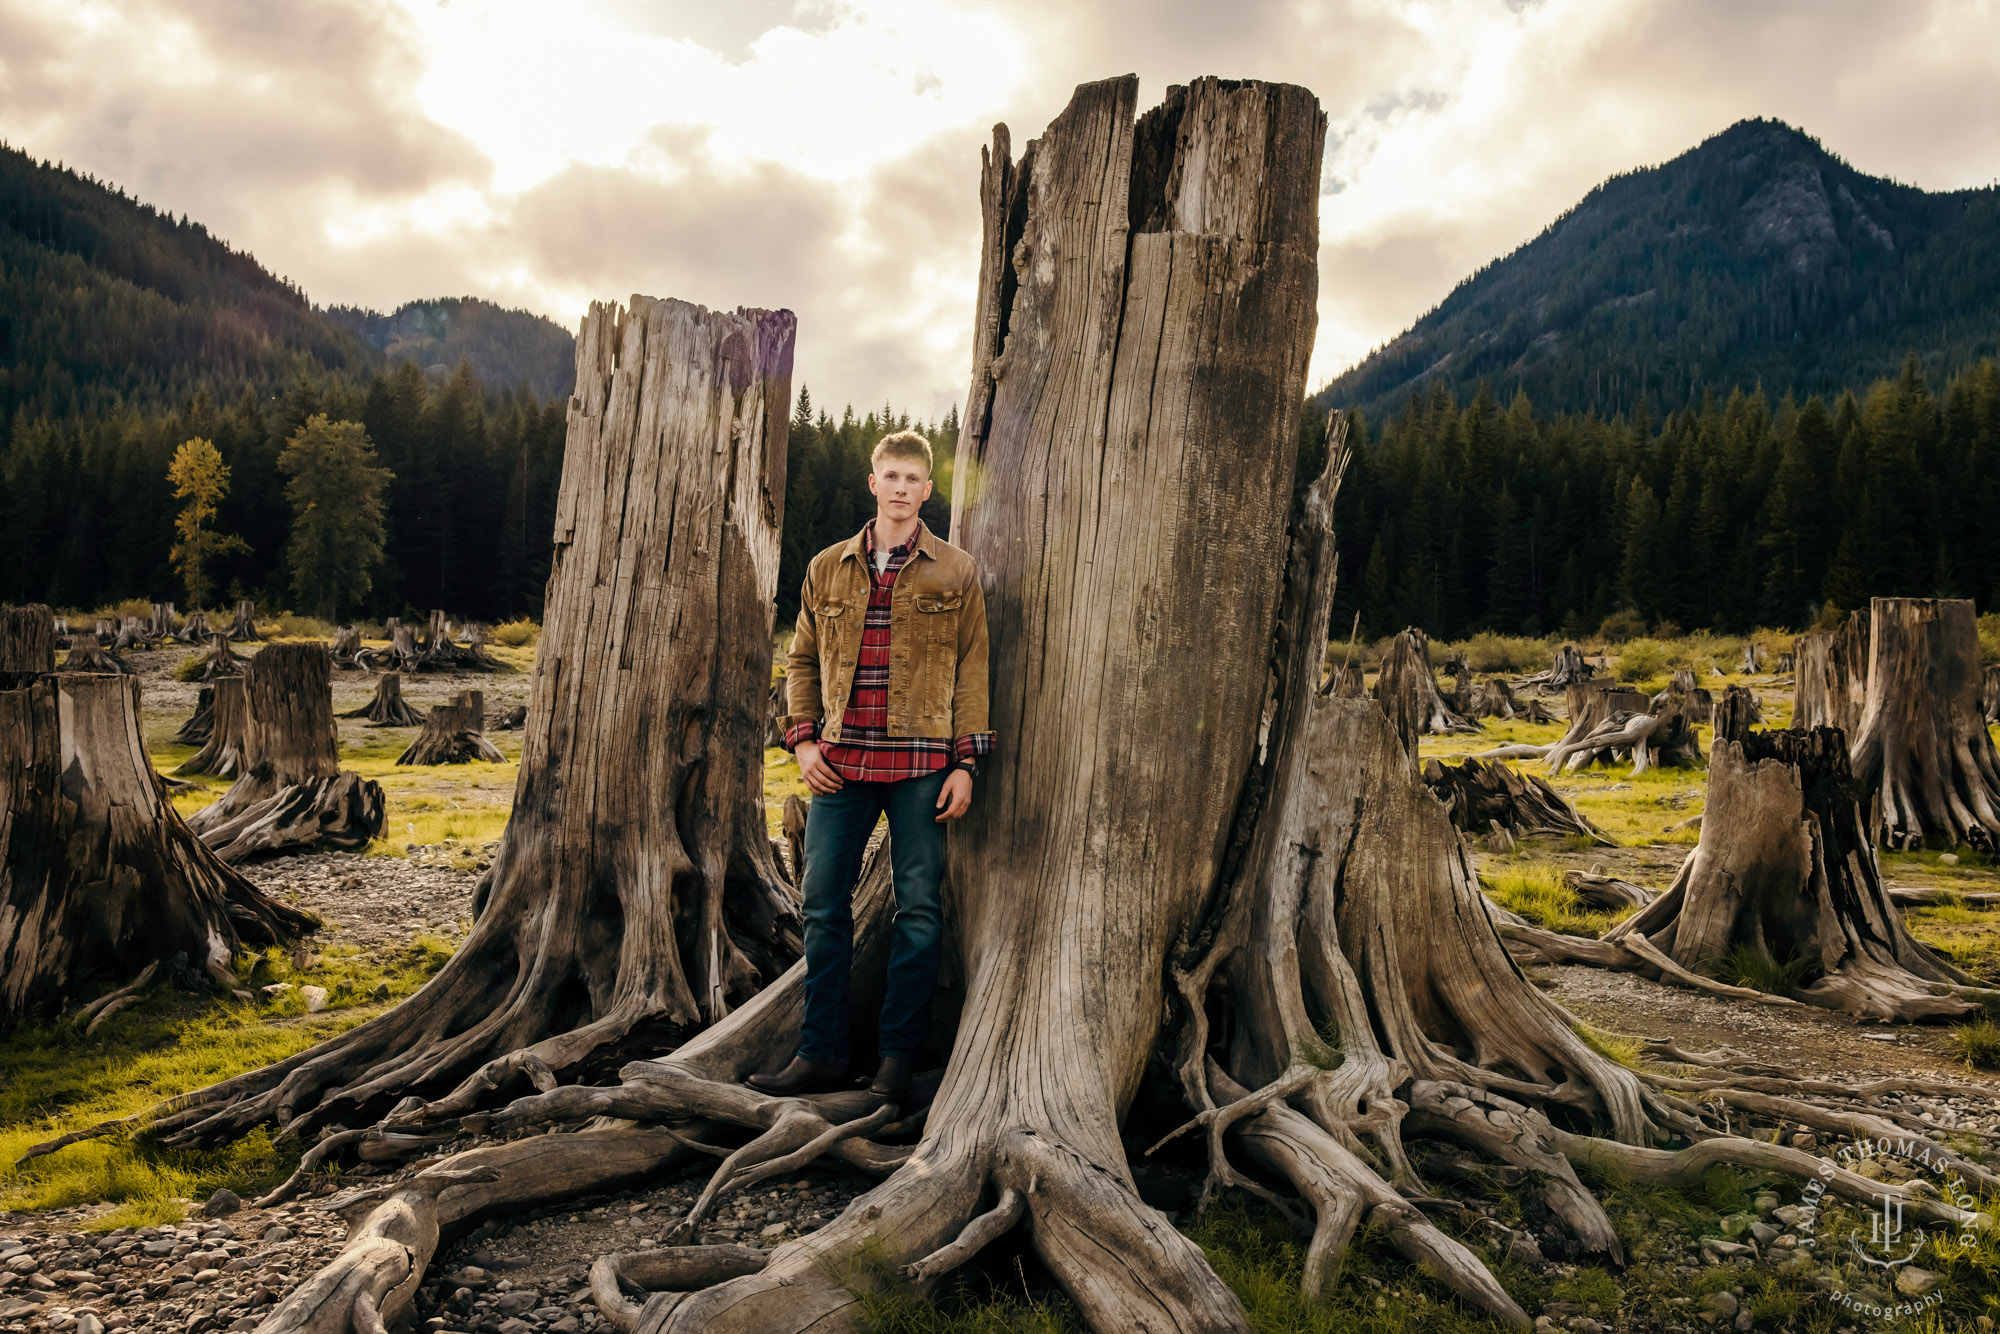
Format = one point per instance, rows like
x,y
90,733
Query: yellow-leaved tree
x,y
201,478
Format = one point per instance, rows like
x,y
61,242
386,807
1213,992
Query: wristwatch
x,y
967,766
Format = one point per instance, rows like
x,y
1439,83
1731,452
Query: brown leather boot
x,y
892,1080
801,1076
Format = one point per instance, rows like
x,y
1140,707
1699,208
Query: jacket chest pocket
x,y
937,616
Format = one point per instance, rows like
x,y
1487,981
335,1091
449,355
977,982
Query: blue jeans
x,y
837,829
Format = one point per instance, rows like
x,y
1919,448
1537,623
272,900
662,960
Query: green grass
x,y
1978,1044
781,780
1756,969
1537,892
173,1042
1262,1259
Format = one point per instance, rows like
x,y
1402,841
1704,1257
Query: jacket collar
x,y
857,546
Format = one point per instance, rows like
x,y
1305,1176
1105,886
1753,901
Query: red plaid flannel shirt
x,y
866,752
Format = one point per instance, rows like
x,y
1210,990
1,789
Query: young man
x,y
886,690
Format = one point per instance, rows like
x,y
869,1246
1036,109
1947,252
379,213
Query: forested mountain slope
x,y
1757,257
503,347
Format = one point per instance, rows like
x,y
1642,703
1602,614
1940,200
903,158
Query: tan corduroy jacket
x,y
937,636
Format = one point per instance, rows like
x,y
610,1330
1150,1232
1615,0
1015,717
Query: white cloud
x,y
822,154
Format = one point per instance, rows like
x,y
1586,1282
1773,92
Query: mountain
x,y
106,301
1758,256
503,347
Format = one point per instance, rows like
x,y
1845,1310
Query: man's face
x,y
900,486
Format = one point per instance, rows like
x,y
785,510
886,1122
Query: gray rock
x,y
224,1201
1723,1304
315,998
1912,1281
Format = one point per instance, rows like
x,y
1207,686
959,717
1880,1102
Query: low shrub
x,y
1490,653
191,667
520,632
290,625
1642,659
1978,1044
1620,626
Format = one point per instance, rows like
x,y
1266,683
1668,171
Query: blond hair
x,y
902,445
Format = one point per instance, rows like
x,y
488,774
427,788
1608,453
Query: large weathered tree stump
x,y
635,896
244,628
195,630
27,644
454,733
1830,677
1786,874
1922,743
387,708
99,877
290,794
164,624
1409,692
221,753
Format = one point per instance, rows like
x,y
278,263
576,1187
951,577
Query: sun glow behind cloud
x,y
830,103
822,154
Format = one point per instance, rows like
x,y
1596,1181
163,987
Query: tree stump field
x,y
1295,1017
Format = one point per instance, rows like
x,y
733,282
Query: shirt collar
x,y
919,541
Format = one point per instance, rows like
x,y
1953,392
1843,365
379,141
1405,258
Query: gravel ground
x,y
374,901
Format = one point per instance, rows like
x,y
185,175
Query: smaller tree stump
x,y
99,877
27,644
221,754
513,720
243,629
1491,698
1409,692
1569,668
1480,794
164,625
195,630
198,728
454,733
292,795
388,708
89,657
222,660
346,651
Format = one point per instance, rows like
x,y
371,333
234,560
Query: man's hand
x,y
819,775
956,796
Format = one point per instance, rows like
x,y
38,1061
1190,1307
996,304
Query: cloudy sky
x,y
823,154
